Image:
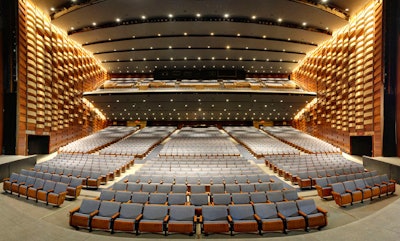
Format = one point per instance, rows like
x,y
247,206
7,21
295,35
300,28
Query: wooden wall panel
x,y
346,73
53,74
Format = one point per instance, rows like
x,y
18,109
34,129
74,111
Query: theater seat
x,y
241,218
267,218
214,219
82,216
128,217
289,212
315,216
182,219
154,219
340,195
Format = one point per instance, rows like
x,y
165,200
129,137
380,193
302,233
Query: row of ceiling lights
x,y
203,118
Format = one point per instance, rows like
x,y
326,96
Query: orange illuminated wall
x,y
346,73
52,75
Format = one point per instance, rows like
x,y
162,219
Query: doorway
x,y
38,144
361,145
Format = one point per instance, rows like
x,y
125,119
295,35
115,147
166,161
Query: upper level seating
x,y
301,140
259,143
270,84
98,140
279,83
140,143
199,142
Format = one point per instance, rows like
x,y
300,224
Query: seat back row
x,y
262,217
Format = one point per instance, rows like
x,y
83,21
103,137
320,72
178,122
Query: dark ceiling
x,y
143,36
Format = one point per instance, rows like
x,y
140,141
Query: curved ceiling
x,y
258,36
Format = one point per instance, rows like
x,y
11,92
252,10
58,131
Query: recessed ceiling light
x,y
228,47
253,17
185,33
52,9
118,20
198,15
212,34
226,15
304,23
280,20
170,15
94,23
143,17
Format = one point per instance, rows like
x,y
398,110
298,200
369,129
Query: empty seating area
x,y
140,143
94,169
358,188
295,168
45,188
136,218
196,166
98,140
199,142
300,140
259,143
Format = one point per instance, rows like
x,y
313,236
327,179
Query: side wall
x,y
346,73
53,73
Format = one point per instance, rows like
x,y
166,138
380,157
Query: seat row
x,y
259,143
300,140
199,199
260,218
307,179
98,140
348,192
89,179
140,143
206,179
47,191
201,188
15,181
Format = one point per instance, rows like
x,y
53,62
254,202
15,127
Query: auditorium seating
x,y
140,143
95,169
200,142
267,218
182,219
259,143
300,140
98,140
314,216
214,219
242,219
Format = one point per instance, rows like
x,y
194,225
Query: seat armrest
x,y
95,212
281,216
322,210
166,218
6,179
200,219
140,216
51,190
72,211
115,216
257,217
302,213
229,218
195,219
347,190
